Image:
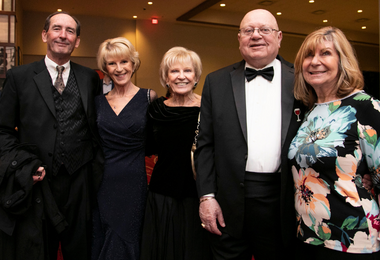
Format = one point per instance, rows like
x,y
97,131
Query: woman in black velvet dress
x,y
121,120
172,228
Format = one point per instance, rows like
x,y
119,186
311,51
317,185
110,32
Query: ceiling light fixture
x,y
325,21
150,3
319,12
364,27
360,11
266,3
311,1
362,20
222,5
279,13
154,21
59,10
135,16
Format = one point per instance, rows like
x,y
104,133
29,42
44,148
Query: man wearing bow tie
x,y
247,122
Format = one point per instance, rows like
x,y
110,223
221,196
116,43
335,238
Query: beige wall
x,y
93,32
217,46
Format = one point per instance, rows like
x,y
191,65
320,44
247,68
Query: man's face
x,y
61,38
259,50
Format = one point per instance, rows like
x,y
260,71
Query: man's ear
x,y
279,38
44,36
77,42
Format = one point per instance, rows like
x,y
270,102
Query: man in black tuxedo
x,y
248,119
51,108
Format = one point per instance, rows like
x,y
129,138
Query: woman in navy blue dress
x,y
121,120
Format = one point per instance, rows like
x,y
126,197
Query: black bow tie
x,y
266,73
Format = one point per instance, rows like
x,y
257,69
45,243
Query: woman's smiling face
x,y
120,70
321,67
181,78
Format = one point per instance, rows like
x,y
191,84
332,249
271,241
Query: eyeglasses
x,y
262,31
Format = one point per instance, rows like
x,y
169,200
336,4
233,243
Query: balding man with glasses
x,y
248,118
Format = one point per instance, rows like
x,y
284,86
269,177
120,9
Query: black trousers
x,y
262,237
71,192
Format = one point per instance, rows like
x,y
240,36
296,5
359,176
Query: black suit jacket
x,y
27,103
222,147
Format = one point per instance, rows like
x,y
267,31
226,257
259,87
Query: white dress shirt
x,y
52,68
263,104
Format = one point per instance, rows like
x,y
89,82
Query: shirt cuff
x,y
209,195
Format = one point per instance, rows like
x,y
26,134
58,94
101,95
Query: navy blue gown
x,y
122,195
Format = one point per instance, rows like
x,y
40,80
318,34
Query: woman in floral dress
x,y
336,145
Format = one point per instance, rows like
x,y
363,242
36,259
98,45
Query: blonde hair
x,y
117,47
179,55
349,74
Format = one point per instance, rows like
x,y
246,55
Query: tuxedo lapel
x,y
44,83
82,82
238,87
287,99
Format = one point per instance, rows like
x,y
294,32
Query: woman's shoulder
x,y
362,98
365,105
157,102
152,95
198,99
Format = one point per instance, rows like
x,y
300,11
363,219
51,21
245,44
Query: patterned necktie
x,y
59,85
266,73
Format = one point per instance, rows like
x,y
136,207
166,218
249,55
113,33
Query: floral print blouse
x,y
337,144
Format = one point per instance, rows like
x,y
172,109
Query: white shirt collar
x,y
51,67
269,65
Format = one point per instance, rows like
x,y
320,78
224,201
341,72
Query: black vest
x,y
73,145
